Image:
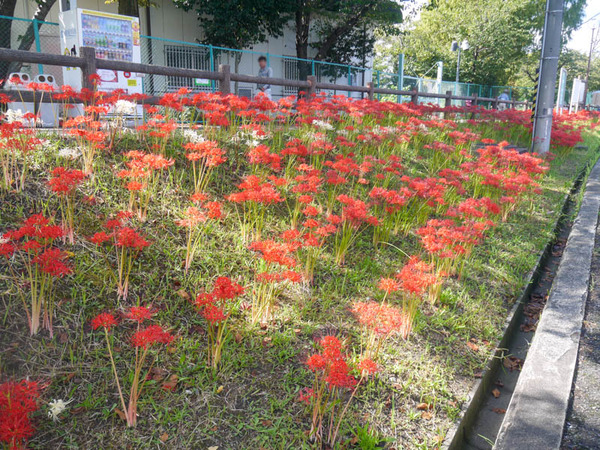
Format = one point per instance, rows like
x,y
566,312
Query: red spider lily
x,y
216,307
127,244
139,314
204,156
142,340
355,214
34,260
415,278
379,322
197,221
273,273
104,320
16,144
157,131
255,194
260,155
63,183
143,172
332,376
90,137
18,400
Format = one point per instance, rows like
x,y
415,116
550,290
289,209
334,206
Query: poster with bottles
x,y
114,37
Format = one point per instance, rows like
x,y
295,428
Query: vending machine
x,y
114,37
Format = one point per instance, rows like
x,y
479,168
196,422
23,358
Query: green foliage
x,y
503,34
238,23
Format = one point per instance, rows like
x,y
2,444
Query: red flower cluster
x,y
64,181
120,235
213,305
382,319
208,152
331,364
253,189
18,400
104,320
153,334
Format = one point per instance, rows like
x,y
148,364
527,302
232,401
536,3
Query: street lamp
x,y
456,47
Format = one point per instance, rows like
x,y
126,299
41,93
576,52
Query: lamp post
x,y
457,47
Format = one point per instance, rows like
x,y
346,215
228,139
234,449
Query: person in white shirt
x,y
264,72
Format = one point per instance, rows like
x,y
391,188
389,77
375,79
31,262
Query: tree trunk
x,y
28,38
302,33
343,28
7,8
129,8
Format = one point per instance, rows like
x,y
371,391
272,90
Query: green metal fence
x,y
39,36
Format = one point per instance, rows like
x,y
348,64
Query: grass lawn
x,y
251,401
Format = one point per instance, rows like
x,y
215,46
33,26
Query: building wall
x,y
169,23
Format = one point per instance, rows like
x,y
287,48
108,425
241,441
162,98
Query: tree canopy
x,y
502,34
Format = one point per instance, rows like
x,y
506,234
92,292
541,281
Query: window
x,y
187,57
291,71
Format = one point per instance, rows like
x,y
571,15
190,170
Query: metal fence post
x,y
349,80
89,67
212,65
225,81
38,45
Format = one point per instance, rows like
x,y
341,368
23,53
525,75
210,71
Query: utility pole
x,y
544,105
589,65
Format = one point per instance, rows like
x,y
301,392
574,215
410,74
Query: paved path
x,y
582,429
537,411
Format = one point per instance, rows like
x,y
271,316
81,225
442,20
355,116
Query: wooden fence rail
x,y
89,63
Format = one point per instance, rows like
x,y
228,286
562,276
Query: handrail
x,y
89,63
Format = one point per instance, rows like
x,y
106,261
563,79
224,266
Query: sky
x,y
580,39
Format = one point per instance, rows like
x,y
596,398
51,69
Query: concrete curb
x,y
538,408
456,435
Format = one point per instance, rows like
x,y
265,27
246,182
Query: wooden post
x,y
414,97
371,92
225,81
448,101
312,89
474,101
89,56
495,103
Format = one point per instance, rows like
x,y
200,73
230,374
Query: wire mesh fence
x,y
40,36
30,35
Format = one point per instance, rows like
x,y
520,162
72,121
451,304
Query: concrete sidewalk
x,y
537,411
582,429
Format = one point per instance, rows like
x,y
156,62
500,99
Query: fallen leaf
x,y
422,406
499,410
426,415
184,295
238,337
499,383
495,393
121,414
163,437
220,389
171,383
472,346
214,447
77,410
69,376
512,363
266,423
478,374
